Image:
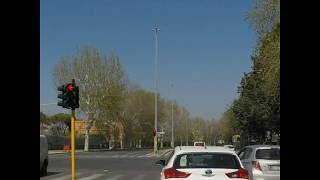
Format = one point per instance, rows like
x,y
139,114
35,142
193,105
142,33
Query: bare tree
x,y
99,77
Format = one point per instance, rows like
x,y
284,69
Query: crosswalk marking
x,y
101,176
66,177
91,177
116,177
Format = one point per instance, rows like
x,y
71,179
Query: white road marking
x,y
66,177
140,177
116,177
91,177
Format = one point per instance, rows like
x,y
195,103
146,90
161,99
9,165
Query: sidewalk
x,y
151,154
159,153
90,150
61,151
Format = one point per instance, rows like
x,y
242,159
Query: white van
x,y
43,155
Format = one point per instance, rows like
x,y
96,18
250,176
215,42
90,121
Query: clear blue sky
x,y
204,45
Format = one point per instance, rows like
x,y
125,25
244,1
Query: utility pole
x,y
187,143
172,132
155,138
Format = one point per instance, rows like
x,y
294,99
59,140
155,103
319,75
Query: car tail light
x,y
173,173
256,165
241,173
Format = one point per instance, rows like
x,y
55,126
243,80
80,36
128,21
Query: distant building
x,y
80,126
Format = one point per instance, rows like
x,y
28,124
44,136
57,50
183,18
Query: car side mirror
x,y
161,162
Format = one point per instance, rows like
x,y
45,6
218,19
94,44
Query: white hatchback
x,y
202,163
229,146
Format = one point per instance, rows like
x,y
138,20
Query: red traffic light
x,y
70,87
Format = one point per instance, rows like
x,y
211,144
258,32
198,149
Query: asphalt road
x,y
121,165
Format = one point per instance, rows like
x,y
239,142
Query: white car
x,y
230,146
43,155
262,161
202,163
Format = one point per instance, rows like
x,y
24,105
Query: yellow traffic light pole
x,y
73,168
70,99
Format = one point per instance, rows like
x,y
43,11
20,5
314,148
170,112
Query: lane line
x,y
66,176
139,177
93,176
116,177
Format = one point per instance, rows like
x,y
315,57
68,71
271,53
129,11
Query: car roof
x,y
262,145
186,149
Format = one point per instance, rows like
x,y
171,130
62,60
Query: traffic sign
x,y
160,133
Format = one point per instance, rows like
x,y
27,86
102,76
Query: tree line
x,y
257,109
124,110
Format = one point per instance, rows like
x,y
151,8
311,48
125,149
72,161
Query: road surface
x,y
116,165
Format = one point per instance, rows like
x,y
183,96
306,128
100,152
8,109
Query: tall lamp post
x,y
155,138
172,132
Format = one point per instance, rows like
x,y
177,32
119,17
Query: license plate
x,y
274,168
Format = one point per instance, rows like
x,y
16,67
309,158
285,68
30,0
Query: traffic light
x,y
63,96
154,133
69,96
73,95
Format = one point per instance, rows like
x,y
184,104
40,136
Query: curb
x,y
62,152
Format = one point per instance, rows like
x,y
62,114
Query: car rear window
x,y
167,156
206,160
269,154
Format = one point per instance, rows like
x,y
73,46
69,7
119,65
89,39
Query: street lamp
x,y
172,135
155,146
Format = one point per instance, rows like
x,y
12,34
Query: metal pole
x,y
172,135
73,175
155,146
187,143
73,163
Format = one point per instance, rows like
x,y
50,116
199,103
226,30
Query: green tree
x,y
43,122
228,125
264,16
43,118
258,107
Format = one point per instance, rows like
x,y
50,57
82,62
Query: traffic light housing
x,y
69,95
73,94
154,133
63,96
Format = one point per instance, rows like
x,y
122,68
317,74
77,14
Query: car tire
x,y
43,170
